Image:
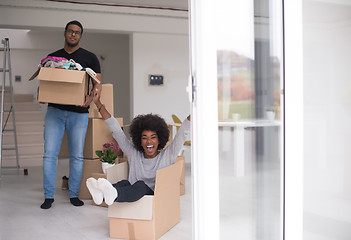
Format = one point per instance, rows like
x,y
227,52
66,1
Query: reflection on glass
x,y
235,86
249,66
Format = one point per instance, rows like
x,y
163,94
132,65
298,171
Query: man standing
x,y
70,118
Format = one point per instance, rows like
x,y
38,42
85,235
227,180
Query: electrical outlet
x,y
155,79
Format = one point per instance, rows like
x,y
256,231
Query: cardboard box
x,y
90,166
122,159
97,134
106,99
151,216
181,159
61,86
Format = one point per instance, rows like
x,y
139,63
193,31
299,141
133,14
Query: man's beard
x,y
72,45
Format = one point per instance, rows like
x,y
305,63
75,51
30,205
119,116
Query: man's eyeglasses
x,y
70,31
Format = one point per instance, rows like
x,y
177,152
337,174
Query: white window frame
x,y
293,137
205,165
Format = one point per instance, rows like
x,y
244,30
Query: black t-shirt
x,y
87,60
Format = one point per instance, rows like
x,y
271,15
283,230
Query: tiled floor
x,y
249,205
22,218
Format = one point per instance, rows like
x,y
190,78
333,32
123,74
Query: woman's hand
x,y
94,95
97,93
88,99
101,108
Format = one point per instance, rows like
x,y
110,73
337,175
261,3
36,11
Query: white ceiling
x,y
166,4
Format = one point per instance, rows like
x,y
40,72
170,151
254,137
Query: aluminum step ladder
x,y
10,112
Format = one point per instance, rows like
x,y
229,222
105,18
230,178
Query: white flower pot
x,y
270,115
106,165
236,117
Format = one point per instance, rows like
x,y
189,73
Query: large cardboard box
x,y
90,166
62,86
106,99
151,216
97,134
181,159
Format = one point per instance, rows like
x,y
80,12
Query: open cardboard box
x,y
62,86
151,216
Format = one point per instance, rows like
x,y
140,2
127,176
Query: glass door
x,y
244,40
249,75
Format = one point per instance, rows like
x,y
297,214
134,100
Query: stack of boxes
x,y
69,87
97,134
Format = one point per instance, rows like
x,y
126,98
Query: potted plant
x,y
270,113
108,155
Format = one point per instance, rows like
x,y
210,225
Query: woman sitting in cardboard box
x,y
145,155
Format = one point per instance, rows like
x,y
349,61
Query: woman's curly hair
x,y
151,122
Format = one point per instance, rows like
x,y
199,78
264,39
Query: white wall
x,y
26,52
166,55
160,43
327,117
29,47
114,48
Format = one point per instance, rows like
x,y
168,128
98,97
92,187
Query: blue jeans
x,y
58,121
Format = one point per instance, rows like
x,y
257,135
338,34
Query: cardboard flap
x,y
61,75
34,74
168,176
181,160
141,209
93,77
167,199
117,172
